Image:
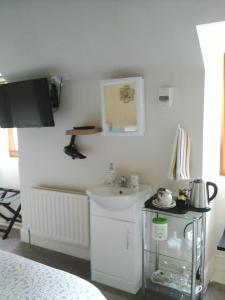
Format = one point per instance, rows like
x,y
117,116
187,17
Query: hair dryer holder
x,y
71,149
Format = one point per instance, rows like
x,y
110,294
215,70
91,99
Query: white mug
x,y
134,181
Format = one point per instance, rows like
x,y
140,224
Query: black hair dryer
x,y
72,151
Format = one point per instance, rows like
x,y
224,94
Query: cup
x,y
164,197
134,181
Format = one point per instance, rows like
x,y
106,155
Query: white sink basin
x,y
118,198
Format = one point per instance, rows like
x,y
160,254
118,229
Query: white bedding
x,y
24,279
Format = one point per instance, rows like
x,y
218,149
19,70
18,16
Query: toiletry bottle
x,y
111,177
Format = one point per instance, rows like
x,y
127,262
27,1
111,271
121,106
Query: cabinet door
x,y
113,247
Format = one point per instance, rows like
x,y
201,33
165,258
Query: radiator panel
x,y
56,215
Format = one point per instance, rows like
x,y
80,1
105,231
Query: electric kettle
x,y
200,193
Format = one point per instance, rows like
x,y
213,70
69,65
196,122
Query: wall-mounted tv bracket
x,y
55,86
71,149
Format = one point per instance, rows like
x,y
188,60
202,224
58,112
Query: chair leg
x,y
7,231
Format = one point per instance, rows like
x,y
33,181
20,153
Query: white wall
x,y
213,49
96,39
9,173
9,170
42,160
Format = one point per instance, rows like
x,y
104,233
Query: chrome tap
x,y
122,181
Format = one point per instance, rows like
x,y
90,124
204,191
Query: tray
x,y
174,210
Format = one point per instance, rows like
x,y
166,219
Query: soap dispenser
x,y
111,177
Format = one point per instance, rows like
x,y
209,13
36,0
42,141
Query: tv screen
x,y
26,104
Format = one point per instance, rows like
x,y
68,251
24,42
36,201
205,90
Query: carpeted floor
x,y
82,268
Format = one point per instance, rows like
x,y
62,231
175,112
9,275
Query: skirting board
x,y
116,282
209,270
62,247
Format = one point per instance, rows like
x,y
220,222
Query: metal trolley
x,y
175,266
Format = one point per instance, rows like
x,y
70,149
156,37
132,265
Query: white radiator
x,y
56,215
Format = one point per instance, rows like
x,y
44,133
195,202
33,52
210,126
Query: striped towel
x,y
179,164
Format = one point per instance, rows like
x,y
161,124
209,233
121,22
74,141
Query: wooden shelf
x,y
83,131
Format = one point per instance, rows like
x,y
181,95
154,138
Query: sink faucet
x,y
122,181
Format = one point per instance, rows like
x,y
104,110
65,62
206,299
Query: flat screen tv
x,y
26,104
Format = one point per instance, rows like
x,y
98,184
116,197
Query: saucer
x,y
156,203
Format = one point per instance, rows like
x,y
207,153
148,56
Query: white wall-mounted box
x,y
165,96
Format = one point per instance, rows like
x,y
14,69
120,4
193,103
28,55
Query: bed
x,y
24,279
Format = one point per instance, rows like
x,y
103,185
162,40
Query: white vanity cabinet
x,y
113,251
116,244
